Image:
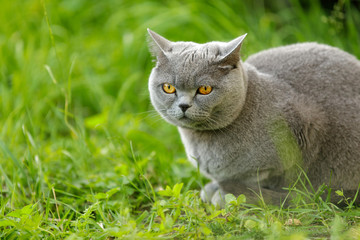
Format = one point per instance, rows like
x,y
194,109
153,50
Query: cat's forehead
x,y
193,56
183,50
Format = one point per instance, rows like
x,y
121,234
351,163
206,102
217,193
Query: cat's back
x,y
310,68
322,83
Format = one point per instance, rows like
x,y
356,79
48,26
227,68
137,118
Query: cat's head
x,y
198,86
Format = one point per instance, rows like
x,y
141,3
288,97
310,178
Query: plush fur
x,y
284,109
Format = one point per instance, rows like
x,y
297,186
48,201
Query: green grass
x,y
82,153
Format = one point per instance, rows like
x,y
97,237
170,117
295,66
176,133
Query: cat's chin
x,y
186,122
199,122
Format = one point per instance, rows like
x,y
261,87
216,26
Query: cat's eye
x,y
168,88
204,90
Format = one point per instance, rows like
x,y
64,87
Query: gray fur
x,y
283,108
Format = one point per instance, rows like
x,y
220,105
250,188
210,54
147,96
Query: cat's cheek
x,y
207,102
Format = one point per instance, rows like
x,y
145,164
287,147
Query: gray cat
x,y
251,126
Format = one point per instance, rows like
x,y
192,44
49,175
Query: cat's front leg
x,y
214,193
208,191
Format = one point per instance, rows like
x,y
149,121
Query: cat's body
x,y
284,108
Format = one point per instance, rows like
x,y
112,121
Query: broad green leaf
x,y
168,192
101,196
27,210
230,199
340,193
6,223
112,192
100,119
250,224
16,213
241,199
177,189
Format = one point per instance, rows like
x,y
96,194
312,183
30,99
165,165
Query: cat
x,y
252,127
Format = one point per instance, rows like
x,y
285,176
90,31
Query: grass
x,y
82,153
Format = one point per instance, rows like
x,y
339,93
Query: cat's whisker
x,y
145,112
151,114
156,120
212,122
152,111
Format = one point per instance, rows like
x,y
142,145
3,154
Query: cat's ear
x,y
230,55
159,46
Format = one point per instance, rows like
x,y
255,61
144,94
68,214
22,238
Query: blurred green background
x,y
75,115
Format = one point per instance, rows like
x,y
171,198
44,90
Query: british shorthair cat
x,y
253,126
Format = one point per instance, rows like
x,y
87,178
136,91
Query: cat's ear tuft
x,y
230,55
159,46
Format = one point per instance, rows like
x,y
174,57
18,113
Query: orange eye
x,y
168,88
204,90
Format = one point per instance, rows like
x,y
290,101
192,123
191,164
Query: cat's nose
x,y
184,106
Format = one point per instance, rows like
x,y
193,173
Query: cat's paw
x,y
218,199
212,193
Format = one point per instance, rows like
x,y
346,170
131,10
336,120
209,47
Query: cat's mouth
x,y
186,120
189,122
